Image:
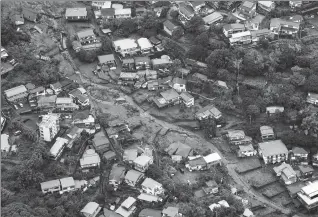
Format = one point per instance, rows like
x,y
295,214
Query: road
x,y
230,167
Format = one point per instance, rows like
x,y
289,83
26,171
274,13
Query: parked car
x,y
32,104
181,170
16,107
17,133
21,105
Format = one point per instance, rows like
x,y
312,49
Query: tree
x,y
197,52
264,43
193,25
202,39
106,44
303,62
173,48
9,34
174,14
253,63
154,172
311,83
164,12
87,56
209,127
177,33
297,80
18,209
252,111
314,65
220,59
128,27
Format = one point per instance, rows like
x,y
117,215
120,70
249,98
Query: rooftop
x,y
117,172
170,25
177,80
123,11
170,211
305,169
15,91
150,212
170,94
144,43
236,133
49,120
59,143
148,197
89,157
214,17
107,12
142,160
128,202
130,154
186,96
106,58
266,3
246,148
124,44
67,182
150,183
266,130
90,208
212,158
133,175
75,12
311,189
50,184
63,100
286,169
85,33
298,150
233,26
274,147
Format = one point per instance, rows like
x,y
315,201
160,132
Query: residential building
x,y
211,187
169,27
299,156
127,208
212,160
49,126
268,6
306,172
212,18
209,111
247,9
5,145
18,19
67,185
274,109
150,213
101,142
148,74
142,163
309,195
79,98
109,155
267,133
294,189
72,134
18,93
179,84
91,209
86,36
170,96
117,6
130,155
128,64
197,5
273,151
39,91
161,63
295,4
84,121
133,177
237,137
76,14
107,13
58,147
145,45
142,62
248,213
116,175
171,211
186,12
90,159
254,23
246,151
196,164
258,34
152,187
51,186
287,173
179,149
315,160
56,87
123,13
109,213
233,28
128,77
296,18
241,38
187,99
101,4
47,102
65,104
126,47
279,26
312,98
108,60
141,12
29,14
221,203
154,40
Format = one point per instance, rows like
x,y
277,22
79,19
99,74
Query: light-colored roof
x,y
90,208
170,211
299,150
169,94
240,34
248,4
117,173
212,158
123,11
170,25
224,203
49,120
150,183
75,12
100,139
244,148
47,99
133,175
128,202
59,143
130,154
142,160
248,213
233,26
186,96
266,130
50,184
266,3
305,168
236,133
5,146
160,61
209,110
144,43
214,17
117,6
89,157
274,147
106,58
286,169
15,91
274,109
276,22
313,95
148,198
85,33
177,80
67,182
149,212
63,100
38,89
311,189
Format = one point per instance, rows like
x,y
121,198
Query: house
x,y
117,6
150,186
294,189
29,14
296,18
237,137
18,93
179,149
212,187
299,156
86,36
90,159
154,40
109,60
273,151
248,213
241,38
295,4
84,120
128,64
141,11
51,186
312,98
221,203
258,34
142,62
79,98
247,9
197,5
107,13
76,14
101,142
123,13
315,160
267,133
196,164
91,209
187,99
133,177
178,84
142,163
309,195
127,76
145,45
169,27
127,208
72,134
274,109
186,12
170,96
126,47
287,173
67,185
212,160
212,18
49,126
254,23
58,147
209,111
65,104
268,6
109,155
56,87
233,28
306,172
47,102
279,26
200,77
39,91
116,175
18,19
161,63
246,151
171,212
109,213
130,155
150,213
101,4
148,74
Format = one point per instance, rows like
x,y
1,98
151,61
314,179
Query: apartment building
x,y
233,28
152,187
286,173
123,13
258,34
49,127
58,147
86,37
67,185
279,26
65,104
241,38
273,151
299,156
309,195
145,45
16,94
76,14
238,137
126,47
142,163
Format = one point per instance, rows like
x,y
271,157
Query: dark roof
x,y
197,162
128,60
38,89
18,17
29,14
169,94
154,40
142,59
108,12
171,26
186,10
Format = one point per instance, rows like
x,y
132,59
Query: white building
x,y
90,159
241,38
51,186
152,187
5,146
145,45
266,5
212,18
295,4
127,208
123,13
49,127
58,147
67,185
309,195
16,93
126,46
91,209
101,4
